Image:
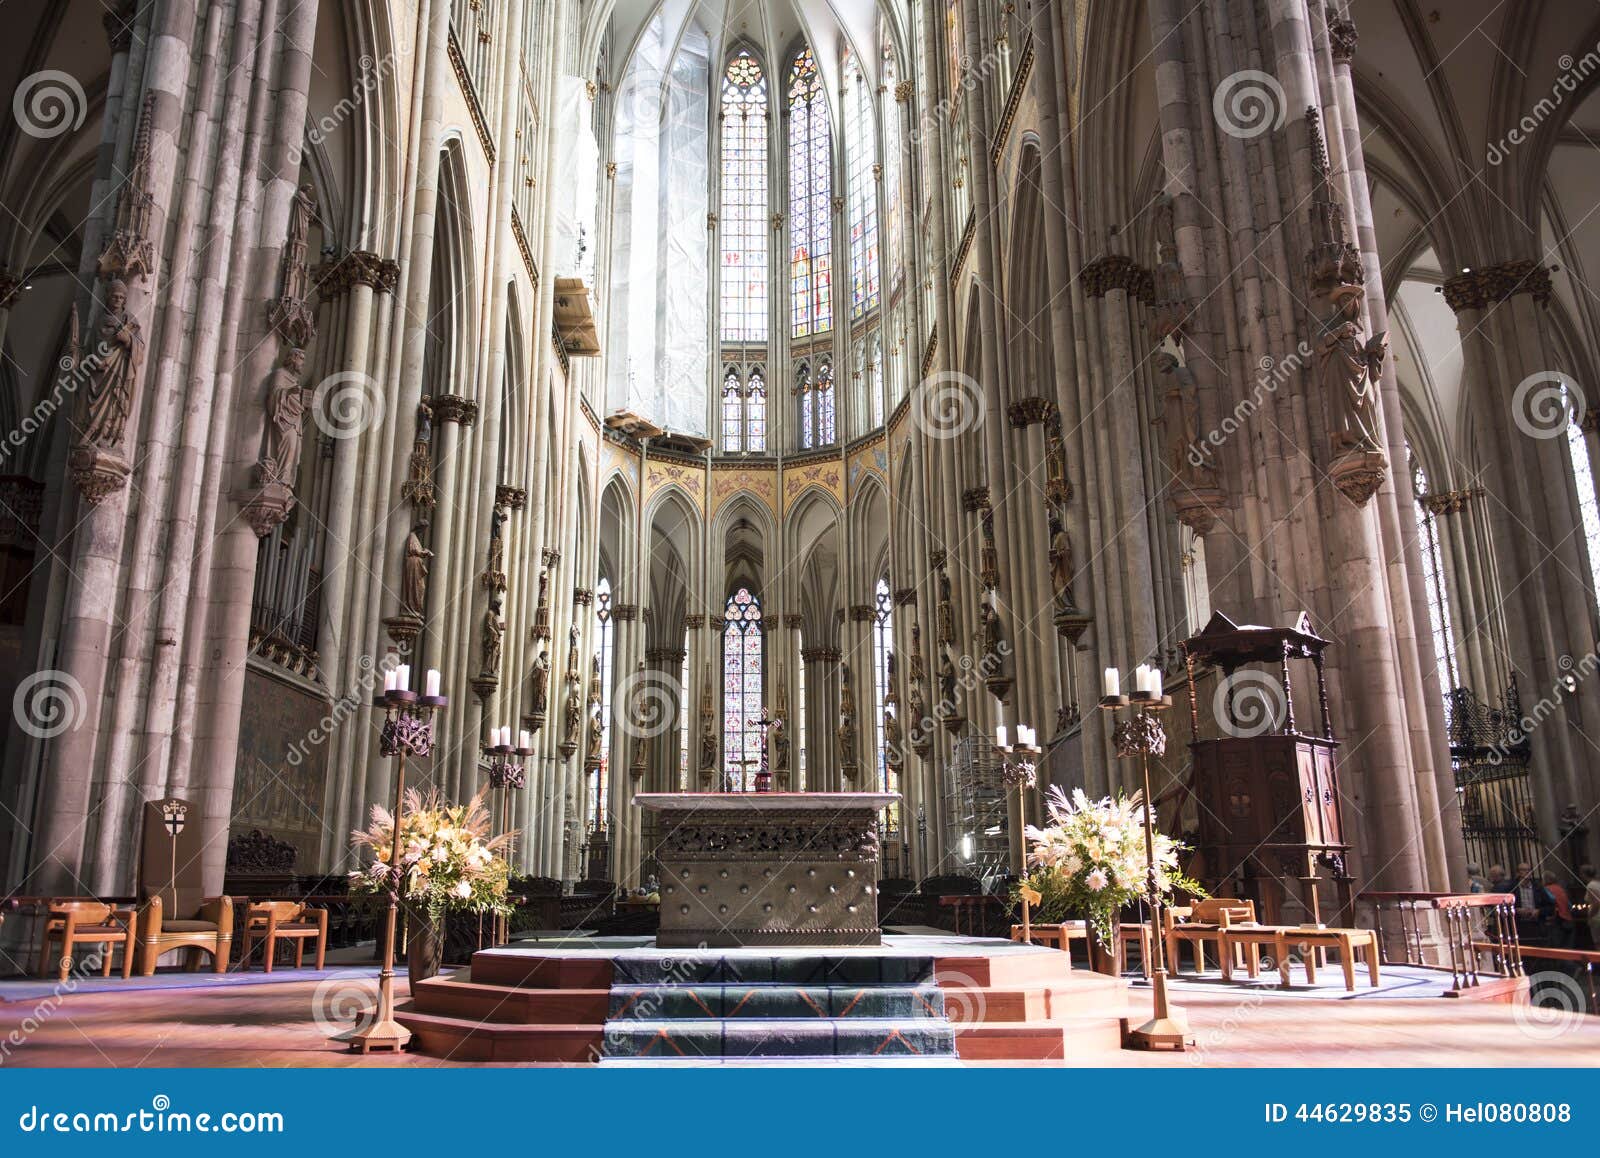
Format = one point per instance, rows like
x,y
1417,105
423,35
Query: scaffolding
x,y
977,836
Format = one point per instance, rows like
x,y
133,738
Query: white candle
x,y
1000,736
503,736
527,740
1025,736
1155,682
433,681
403,680
388,680
1112,684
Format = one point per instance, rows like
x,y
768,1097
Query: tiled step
x,y
673,1002
779,1037
468,1039
1021,968
457,997
713,968
903,1062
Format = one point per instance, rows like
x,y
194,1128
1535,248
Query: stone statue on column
x,y
1061,564
708,720
116,371
287,400
947,615
539,690
996,650
494,630
418,488
1349,371
414,575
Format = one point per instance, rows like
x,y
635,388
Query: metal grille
x,y
976,837
1489,754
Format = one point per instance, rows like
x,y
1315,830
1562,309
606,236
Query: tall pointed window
x,y
891,170
743,220
732,412
1583,480
755,412
604,632
741,688
810,201
1444,640
882,646
860,160
808,427
815,391
826,428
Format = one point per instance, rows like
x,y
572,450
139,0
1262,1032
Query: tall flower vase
x,y
1102,957
424,945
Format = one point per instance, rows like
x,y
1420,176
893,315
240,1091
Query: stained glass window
x,y
683,724
732,412
882,645
891,171
755,412
1444,642
873,373
1583,479
810,201
605,630
826,432
741,688
807,405
860,149
798,747
743,219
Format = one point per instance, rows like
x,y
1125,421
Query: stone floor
x,y
287,1021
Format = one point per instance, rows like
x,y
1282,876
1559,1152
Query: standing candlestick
x,y
1019,768
1139,737
407,731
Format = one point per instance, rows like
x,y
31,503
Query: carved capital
x,y
1025,412
861,612
358,267
794,622
1477,289
625,612
905,596
1116,271
454,408
511,498
975,499
583,596
1451,502
694,622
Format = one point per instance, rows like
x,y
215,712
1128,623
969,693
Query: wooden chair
x,y
1201,922
206,927
74,923
272,921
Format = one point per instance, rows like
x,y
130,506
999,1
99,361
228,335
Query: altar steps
x,y
996,1001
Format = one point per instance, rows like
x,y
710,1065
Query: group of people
x,y
1544,900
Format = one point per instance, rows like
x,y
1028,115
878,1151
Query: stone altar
x,y
768,868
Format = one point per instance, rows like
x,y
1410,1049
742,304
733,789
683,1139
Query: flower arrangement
x,y
1090,860
448,861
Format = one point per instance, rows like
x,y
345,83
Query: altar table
x,y
768,868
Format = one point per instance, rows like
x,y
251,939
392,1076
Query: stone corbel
x,y
511,498
455,408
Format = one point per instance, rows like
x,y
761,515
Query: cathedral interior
x,y
733,398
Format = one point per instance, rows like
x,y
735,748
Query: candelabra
x,y
506,774
1141,736
1019,768
407,730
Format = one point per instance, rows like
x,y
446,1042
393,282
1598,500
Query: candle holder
x,y
507,774
1019,768
1139,737
407,731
